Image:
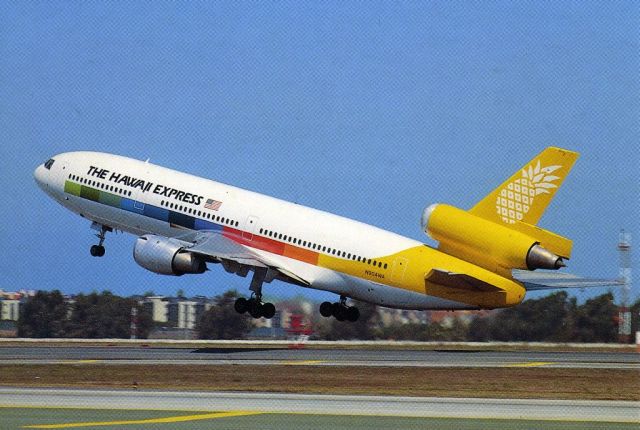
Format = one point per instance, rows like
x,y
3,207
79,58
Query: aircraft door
x,y
399,268
250,227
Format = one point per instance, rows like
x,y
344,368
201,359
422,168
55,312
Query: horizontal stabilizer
x,y
543,280
458,280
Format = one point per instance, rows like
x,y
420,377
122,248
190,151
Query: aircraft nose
x,y
40,175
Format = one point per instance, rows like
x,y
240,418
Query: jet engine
x,y
166,256
485,243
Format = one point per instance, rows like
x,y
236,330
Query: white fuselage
x,y
143,194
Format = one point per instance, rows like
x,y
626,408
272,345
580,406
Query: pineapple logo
x,y
515,200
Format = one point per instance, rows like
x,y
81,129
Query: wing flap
x,y
215,245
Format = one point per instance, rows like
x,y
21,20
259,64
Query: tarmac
x,y
244,404
318,357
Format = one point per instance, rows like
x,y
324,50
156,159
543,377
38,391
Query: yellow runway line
x,y
178,419
529,364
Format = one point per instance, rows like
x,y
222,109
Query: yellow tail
x,y
522,199
525,195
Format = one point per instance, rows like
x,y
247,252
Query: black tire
x,y
94,251
241,305
326,309
339,312
268,310
100,250
255,309
352,314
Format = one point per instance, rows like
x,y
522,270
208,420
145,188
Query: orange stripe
x,y
301,254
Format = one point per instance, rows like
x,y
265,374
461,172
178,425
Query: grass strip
x,y
529,382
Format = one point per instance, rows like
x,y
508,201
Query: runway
x,y
424,407
318,357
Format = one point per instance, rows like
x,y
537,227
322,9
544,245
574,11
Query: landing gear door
x,y
399,268
250,227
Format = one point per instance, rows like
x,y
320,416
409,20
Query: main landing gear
x,y
340,310
254,305
98,250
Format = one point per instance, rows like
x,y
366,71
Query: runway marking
x,y
177,419
300,362
530,364
78,361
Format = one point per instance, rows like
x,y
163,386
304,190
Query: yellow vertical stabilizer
x,y
525,195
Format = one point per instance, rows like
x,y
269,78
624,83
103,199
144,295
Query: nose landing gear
x,y
340,310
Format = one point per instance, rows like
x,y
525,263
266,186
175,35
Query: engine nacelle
x,y
485,243
166,256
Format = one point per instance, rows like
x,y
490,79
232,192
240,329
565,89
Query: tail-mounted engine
x,y
492,245
166,256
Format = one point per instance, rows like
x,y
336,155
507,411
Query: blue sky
x,y
372,110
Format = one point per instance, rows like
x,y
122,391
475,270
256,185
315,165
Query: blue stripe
x,y
181,220
201,224
132,206
156,212
162,214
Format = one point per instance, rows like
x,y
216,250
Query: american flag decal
x,y
214,205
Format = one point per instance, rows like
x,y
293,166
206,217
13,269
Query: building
x,y
157,306
9,310
176,312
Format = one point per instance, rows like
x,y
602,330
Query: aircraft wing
x,y
216,246
552,280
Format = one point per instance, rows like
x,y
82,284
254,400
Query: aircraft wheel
x,y
326,309
268,310
255,309
241,305
97,250
339,312
352,314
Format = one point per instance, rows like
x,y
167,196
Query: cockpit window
x,y
49,163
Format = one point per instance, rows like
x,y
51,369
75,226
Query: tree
x,y
553,318
221,321
635,319
43,315
596,320
479,329
544,319
105,315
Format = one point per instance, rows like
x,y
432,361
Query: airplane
x,y
486,256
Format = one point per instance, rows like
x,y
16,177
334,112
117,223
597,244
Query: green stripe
x,y
89,193
72,188
110,199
